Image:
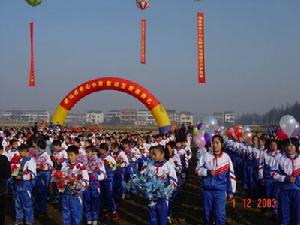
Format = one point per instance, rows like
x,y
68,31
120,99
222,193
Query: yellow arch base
x,y
59,115
160,115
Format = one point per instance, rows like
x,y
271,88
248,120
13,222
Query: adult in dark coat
x,y
4,175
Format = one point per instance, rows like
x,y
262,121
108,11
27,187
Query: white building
x,y
76,118
25,115
186,118
95,117
112,115
229,117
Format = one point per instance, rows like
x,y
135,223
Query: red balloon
x,y
238,131
229,132
281,135
142,4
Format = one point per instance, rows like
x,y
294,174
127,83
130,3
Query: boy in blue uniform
x,y
72,180
23,182
96,171
107,184
44,167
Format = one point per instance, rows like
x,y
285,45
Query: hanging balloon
x,y
281,135
220,131
247,136
288,124
229,132
210,124
200,141
208,138
195,131
34,3
238,131
199,126
246,128
142,4
296,132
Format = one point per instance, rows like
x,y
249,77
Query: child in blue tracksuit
x,y
107,199
159,210
119,175
267,163
72,180
287,173
23,182
44,167
218,181
96,171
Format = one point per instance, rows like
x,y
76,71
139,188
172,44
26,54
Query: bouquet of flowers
x,y
57,158
119,161
70,179
15,165
41,163
93,167
110,164
152,186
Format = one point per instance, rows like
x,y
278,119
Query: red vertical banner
x,y
201,62
143,41
31,72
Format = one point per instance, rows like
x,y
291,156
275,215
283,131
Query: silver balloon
x,y
288,124
210,123
246,128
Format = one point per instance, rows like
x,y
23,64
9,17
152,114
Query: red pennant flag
x,y
31,72
201,62
143,41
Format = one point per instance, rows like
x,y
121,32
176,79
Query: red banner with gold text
x,y
31,72
143,41
201,62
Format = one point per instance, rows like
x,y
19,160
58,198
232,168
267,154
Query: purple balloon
x,y
207,137
199,126
296,132
200,141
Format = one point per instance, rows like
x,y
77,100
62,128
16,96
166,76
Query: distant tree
x,y
272,117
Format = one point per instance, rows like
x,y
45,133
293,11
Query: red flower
x,y
71,182
79,176
78,166
82,168
71,167
57,174
15,159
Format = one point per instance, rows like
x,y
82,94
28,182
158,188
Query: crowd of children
x,y
269,169
87,172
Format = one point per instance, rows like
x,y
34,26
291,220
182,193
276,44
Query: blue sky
x,y
252,53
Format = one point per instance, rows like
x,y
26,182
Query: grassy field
x,y
187,211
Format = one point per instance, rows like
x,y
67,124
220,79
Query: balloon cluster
x,y
289,127
153,187
239,132
34,3
142,4
206,130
